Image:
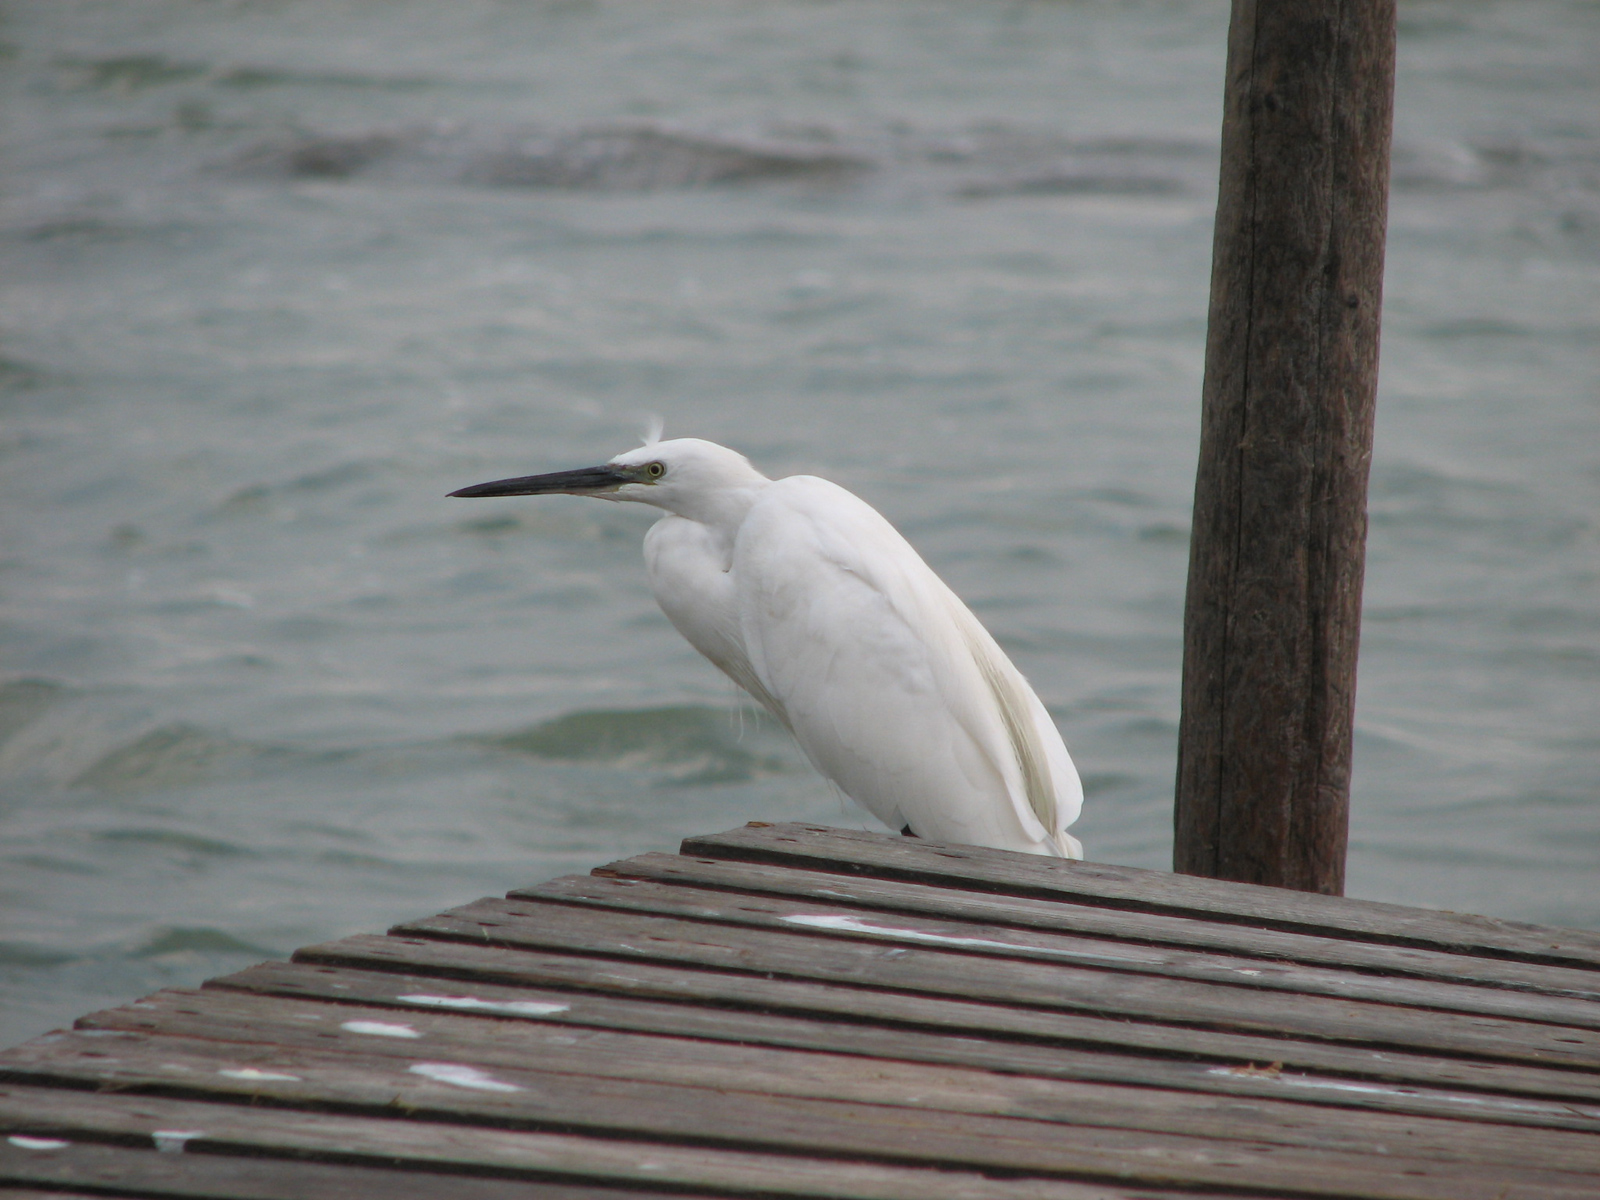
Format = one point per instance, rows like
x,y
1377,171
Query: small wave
x,y
127,73
647,159
1078,184
693,744
86,229
1164,533
197,940
1412,499
172,839
182,755
1000,161
18,376
22,701
620,159
28,954
268,77
1097,783
1474,329
1442,165
254,498
643,158
319,157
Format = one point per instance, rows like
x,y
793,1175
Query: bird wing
x,y
891,685
688,567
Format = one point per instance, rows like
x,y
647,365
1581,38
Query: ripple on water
x,y
184,755
32,954
172,841
22,701
690,744
169,940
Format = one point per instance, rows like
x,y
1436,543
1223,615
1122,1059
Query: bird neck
x,y
722,509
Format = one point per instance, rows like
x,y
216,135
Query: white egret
x,y
811,601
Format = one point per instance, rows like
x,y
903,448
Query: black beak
x,y
583,482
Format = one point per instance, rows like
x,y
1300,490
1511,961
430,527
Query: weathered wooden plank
x,y
530,1099
294,1026
1219,1064
661,1032
967,937
408,1144
482,966
1122,925
850,852
147,1172
803,955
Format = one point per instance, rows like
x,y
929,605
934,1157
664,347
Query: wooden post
x,y
1273,613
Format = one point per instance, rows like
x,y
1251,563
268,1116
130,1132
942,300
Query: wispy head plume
x,y
654,429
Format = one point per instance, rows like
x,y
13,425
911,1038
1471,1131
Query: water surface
x,y
274,277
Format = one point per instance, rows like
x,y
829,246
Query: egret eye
x,y
655,470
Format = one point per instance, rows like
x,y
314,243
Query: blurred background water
x,y
275,276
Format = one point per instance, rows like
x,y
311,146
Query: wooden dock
x,y
792,1011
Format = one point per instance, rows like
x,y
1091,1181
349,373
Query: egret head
x,y
684,476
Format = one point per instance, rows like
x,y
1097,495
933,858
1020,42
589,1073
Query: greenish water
x,y
274,277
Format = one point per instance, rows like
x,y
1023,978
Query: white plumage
x,y
812,602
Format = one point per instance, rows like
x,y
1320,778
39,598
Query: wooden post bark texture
x,y
1274,603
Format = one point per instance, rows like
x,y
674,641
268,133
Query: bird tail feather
x,y
1011,698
